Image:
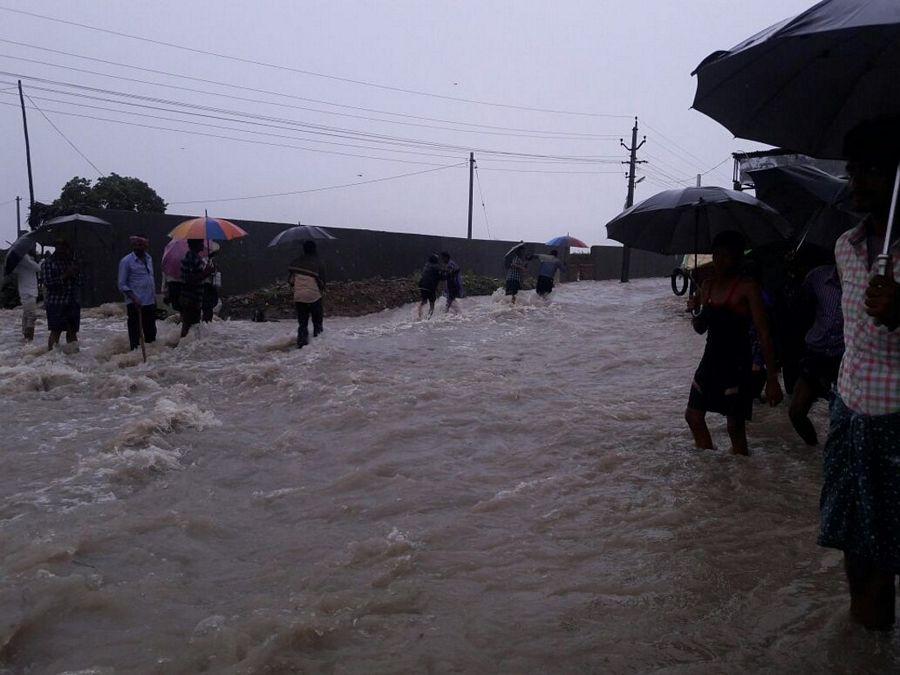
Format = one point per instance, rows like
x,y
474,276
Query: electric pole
x,y
18,217
27,148
471,185
632,162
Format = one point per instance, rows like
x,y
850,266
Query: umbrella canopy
x,y
687,220
521,247
300,233
175,251
74,218
808,198
67,226
805,82
826,225
18,250
566,242
207,228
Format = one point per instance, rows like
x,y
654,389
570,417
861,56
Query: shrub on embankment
x,y
347,298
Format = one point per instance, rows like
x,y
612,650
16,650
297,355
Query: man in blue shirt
x,y
550,265
137,283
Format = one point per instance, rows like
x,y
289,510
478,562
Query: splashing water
x,y
505,489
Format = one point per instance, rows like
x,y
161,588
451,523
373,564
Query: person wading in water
x,y
728,305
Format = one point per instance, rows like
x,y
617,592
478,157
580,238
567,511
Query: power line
x,y
300,71
544,134
556,162
281,145
487,222
269,92
232,138
319,189
583,173
65,138
205,111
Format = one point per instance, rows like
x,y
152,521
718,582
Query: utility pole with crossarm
x,y
632,163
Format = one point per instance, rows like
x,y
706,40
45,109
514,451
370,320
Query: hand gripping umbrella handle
x,y
882,262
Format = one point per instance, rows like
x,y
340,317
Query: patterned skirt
x,y
860,504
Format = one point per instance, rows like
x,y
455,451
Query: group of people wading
x,y
852,357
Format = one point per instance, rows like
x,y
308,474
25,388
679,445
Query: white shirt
x,y
26,274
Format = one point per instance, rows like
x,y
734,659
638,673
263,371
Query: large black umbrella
x,y
686,220
300,233
812,200
18,250
51,230
804,83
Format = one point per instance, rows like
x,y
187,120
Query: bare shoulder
x,y
749,288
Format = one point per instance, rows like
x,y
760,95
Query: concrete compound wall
x,y
248,263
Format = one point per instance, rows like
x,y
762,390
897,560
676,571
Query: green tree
x,y
109,192
127,194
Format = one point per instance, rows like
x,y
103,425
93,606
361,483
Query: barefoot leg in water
x,y
696,420
737,431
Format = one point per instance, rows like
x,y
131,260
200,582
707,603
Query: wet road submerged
x,y
511,489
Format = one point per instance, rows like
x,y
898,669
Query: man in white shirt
x,y
26,273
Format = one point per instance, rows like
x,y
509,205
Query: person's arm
x,y
124,286
697,302
30,264
753,294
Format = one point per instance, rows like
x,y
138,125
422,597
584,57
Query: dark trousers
x,y
305,310
147,318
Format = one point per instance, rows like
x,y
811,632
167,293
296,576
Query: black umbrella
x,y
300,233
806,82
810,199
51,230
521,247
18,250
687,220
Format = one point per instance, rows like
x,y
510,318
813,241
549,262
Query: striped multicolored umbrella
x,y
566,242
207,228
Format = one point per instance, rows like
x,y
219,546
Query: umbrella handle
x,y
883,261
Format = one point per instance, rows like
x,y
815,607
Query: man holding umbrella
x,y
138,285
860,501
26,273
193,272
62,279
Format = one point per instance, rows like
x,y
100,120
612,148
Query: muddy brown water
x,y
510,489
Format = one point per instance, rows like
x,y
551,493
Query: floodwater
x,y
510,489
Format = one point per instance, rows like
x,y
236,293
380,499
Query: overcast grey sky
x,y
604,57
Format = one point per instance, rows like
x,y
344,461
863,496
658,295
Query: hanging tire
x,y
680,281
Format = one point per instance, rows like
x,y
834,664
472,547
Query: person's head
x,y
195,245
872,151
433,259
62,249
309,247
554,253
727,252
445,257
139,245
